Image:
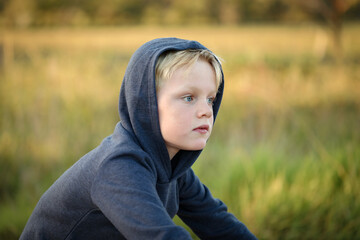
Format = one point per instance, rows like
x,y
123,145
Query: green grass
x,y
285,151
297,177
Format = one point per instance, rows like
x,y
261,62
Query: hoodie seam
x,y
79,221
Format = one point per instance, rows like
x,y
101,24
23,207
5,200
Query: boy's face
x,y
185,107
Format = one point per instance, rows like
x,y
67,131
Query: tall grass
x,y
285,151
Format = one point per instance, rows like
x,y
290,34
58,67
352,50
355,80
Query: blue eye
x,y
211,100
188,98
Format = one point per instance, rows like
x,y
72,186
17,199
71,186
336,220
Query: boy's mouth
x,y
202,129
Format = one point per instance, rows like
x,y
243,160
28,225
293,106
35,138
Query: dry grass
x,y
285,148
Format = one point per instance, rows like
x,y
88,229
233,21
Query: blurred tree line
x,y
39,13
49,13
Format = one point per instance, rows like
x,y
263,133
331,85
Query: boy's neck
x,y
172,152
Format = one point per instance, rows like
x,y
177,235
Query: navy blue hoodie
x,y
127,187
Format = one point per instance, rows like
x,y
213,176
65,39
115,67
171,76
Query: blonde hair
x,y
170,61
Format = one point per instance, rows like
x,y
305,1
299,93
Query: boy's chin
x,y
197,147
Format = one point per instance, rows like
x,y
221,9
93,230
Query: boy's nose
x,y
204,109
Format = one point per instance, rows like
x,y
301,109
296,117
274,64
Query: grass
x,y
285,151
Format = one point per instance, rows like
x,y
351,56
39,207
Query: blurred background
x,y
285,151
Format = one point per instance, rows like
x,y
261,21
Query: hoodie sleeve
x,y
205,215
125,192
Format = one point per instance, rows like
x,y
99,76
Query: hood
x,y
139,111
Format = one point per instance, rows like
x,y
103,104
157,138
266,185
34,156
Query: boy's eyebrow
x,y
194,88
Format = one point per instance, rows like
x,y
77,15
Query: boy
x,y
139,178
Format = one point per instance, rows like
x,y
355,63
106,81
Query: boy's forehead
x,y
184,80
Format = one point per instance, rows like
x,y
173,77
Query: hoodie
x,y
127,187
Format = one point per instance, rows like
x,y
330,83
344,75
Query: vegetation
x,y
35,13
285,151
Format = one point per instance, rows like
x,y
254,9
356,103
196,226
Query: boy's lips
x,y
202,129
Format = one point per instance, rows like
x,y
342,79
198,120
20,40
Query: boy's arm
x,y
206,216
126,194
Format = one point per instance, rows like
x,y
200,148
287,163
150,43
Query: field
x,y
285,151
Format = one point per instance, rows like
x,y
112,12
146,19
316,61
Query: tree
x,y
332,11
17,13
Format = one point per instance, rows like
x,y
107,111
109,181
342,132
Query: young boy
x,y
139,178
